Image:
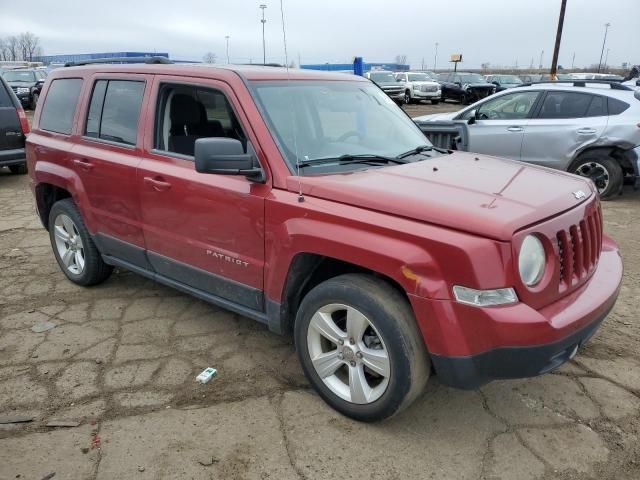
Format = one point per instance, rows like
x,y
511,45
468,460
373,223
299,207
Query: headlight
x,y
22,90
484,298
531,261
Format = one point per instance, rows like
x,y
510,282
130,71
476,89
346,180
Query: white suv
x,y
419,86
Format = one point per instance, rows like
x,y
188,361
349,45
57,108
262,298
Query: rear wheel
x,y
20,169
605,172
77,255
360,348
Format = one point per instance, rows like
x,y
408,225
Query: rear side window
x,y
565,105
60,105
114,110
598,107
5,99
616,107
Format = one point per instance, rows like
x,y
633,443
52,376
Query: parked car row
x,y
27,84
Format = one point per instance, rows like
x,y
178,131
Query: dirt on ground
x,y
117,364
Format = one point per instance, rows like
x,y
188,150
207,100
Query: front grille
x,y
429,88
579,248
392,90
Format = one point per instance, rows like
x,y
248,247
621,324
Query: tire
x,y
435,102
407,98
87,270
390,330
20,169
603,170
34,100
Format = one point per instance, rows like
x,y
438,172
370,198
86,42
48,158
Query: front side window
x,y
565,105
470,78
60,105
186,113
321,120
508,107
114,110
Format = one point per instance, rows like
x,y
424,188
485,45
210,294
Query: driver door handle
x,y
157,183
586,131
83,163
515,129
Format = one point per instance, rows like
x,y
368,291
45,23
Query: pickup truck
x,y
310,202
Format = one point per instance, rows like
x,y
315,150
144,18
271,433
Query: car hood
x,y
425,82
389,84
478,85
482,195
436,117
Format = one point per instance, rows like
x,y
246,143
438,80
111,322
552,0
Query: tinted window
x,y
114,110
5,99
565,105
95,109
598,107
60,105
616,106
505,107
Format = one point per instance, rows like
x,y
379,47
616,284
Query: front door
x,y
201,230
500,124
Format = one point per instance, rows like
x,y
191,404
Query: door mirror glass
x,y
473,115
225,156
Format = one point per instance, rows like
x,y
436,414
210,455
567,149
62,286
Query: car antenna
x,y
293,123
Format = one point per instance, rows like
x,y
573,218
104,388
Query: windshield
x,y
321,120
19,76
382,77
472,78
419,77
510,79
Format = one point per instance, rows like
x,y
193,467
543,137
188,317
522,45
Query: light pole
x,y
556,48
435,59
606,29
263,21
606,59
541,55
227,38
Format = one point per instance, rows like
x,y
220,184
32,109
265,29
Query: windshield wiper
x,y
348,158
421,149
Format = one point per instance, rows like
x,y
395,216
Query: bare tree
x,y
4,54
401,59
209,57
28,44
13,49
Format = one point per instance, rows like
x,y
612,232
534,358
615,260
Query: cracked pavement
x,y
123,357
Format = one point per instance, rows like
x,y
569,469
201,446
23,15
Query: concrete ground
x,y
123,356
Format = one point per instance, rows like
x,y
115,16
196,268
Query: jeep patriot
x,y
310,202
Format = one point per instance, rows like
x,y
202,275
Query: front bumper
x,y
395,95
428,95
14,156
471,346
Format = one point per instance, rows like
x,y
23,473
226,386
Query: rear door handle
x,y
515,129
586,131
84,164
158,183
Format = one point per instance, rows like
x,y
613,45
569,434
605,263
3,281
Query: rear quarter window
x,y
60,105
5,98
616,107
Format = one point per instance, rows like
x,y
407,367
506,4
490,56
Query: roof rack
x,y
149,60
614,84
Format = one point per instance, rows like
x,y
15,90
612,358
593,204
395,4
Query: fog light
x,y
484,298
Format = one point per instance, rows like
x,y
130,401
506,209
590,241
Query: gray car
x,y
590,129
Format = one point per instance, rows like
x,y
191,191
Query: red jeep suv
x,y
310,202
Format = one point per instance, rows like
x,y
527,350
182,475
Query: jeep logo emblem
x,y
579,194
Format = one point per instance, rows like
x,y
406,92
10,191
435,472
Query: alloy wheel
x,y
348,353
597,172
69,244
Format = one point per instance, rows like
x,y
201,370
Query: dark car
x,y
13,130
502,82
27,85
465,87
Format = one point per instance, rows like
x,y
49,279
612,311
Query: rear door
x,y
565,122
10,132
105,158
501,123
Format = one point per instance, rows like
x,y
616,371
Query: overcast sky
x,y
496,31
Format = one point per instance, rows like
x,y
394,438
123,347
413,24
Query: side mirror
x,y
458,84
496,84
225,156
637,83
473,116
399,80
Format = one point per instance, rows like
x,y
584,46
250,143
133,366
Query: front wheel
x,y
73,247
360,347
34,100
435,102
604,172
407,98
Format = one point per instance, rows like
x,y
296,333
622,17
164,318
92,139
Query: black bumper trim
x,y
471,372
15,156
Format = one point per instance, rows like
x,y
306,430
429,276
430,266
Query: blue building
x,y
81,57
348,67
